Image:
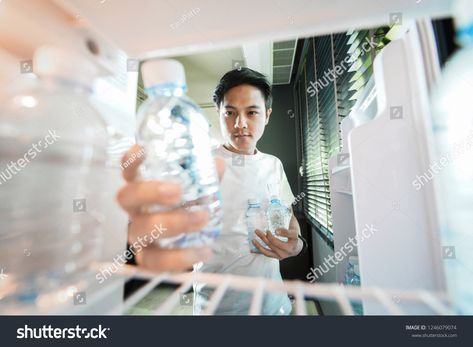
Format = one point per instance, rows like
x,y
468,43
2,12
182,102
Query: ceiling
x,y
273,59
150,28
204,70
212,64
283,54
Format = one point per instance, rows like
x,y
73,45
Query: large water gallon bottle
x,y
53,150
278,216
175,136
255,219
453,134
355,280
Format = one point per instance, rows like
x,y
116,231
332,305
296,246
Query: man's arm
x,y
294,224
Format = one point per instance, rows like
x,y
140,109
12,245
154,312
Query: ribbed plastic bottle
x,y
53,153
175,136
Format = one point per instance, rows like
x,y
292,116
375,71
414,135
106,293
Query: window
x,y
333,72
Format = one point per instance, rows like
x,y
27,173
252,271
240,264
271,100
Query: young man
x,y
243,100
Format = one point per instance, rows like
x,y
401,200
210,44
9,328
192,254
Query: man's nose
x,y
240,122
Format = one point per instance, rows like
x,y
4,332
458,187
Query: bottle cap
x,y
59,62
463,13
163,71
274,198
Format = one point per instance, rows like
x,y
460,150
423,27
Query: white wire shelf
x,y
172,287
388,299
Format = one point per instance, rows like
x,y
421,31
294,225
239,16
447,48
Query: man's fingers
x,y
220,166
178,259
136,194
173,223
274,241
290,234
131,161
262,235
277,246
265,251
265,238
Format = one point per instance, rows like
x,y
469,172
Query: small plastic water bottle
x,y
175,136
352,261
278,217
255,219
355,280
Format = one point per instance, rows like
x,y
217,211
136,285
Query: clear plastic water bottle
x,y
453,135
53,152
255,219
175,136
278,216
355,280
352,261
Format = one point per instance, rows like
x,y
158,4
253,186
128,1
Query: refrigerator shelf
x,y
389,299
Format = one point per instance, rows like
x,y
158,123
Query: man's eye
x,y
253,113
228,113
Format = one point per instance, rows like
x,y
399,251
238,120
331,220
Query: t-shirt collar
x,y
228,153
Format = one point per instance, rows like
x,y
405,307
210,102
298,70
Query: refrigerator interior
x,y
409,279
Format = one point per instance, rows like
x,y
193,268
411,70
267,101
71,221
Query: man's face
x,y
243,117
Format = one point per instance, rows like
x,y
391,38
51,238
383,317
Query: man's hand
x,y
279,249
136,195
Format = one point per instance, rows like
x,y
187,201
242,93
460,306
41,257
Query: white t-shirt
x,y
245,177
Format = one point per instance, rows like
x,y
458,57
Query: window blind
x,y
334,72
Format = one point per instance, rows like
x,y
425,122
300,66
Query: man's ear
x,y
268,114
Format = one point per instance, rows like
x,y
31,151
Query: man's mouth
x,y
241,135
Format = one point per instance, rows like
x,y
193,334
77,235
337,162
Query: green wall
x,y
279,138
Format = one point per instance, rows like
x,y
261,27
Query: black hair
x,y
244,75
